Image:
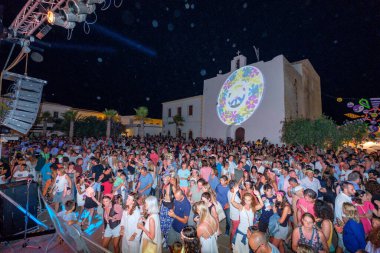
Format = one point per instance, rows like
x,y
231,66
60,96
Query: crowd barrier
x,y
72,235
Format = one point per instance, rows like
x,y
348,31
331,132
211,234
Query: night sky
x,y
148,52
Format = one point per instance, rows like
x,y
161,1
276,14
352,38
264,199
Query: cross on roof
x,y
238,52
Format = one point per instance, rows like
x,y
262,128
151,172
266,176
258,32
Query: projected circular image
x,y
240,95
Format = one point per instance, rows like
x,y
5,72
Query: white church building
x,y
249,102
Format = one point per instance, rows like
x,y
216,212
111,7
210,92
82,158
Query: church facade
x,y
249,102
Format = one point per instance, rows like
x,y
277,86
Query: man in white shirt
x,y
310,182
347,191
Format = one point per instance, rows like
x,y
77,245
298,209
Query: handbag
x,y
148,246
220,211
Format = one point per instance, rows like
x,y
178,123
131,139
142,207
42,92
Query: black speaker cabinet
x,y
12,219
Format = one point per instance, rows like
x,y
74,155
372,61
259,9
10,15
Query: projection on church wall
x,y
240,95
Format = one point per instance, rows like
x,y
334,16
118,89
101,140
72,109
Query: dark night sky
x,y
196,39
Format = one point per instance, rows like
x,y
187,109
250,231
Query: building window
x,y
179,111
169,112
190,110
55,115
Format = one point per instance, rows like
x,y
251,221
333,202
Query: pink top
x,y
205,173
154,157
362,210
306,207
118,210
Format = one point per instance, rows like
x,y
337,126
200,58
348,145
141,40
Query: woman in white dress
x,y
247,209
152,228
207,230
131,234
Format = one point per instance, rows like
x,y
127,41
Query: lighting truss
x,y
32,16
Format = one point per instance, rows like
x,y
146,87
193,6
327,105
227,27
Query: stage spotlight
x,y
70,16
57,19
80,7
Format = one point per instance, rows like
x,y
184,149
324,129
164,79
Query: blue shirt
x,y
213,182
183,174
219,168
144,182
353,236
181,209
46,172
222,194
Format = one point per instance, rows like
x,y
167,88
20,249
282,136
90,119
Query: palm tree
x,y
178,121
141,114
71,116
45,118
110,115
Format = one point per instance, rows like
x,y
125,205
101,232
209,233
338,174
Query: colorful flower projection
x,y
240,95
367,111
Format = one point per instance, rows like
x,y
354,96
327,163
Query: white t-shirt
x,y
18,175
234,212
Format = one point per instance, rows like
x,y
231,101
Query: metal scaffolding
x,y
32,16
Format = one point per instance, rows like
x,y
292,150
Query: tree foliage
x,y
90,127
111,115
141,114
322,132
178,120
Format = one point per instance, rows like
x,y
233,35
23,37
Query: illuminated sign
x,y
240,95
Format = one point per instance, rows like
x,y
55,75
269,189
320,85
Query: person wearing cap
x,y
310,182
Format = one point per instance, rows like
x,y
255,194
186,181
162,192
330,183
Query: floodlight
x,y
68,15
57,19
79,7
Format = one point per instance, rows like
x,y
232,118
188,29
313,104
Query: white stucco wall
x,y
266,120
192,123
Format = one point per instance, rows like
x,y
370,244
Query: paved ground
x,y
94,233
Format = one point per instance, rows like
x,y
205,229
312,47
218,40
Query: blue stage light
x,y
131,43
23,210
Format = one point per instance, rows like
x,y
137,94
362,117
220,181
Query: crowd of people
x,y
158,193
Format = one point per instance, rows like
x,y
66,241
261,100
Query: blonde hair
x,y
303,248
204,214
152,205
350,211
